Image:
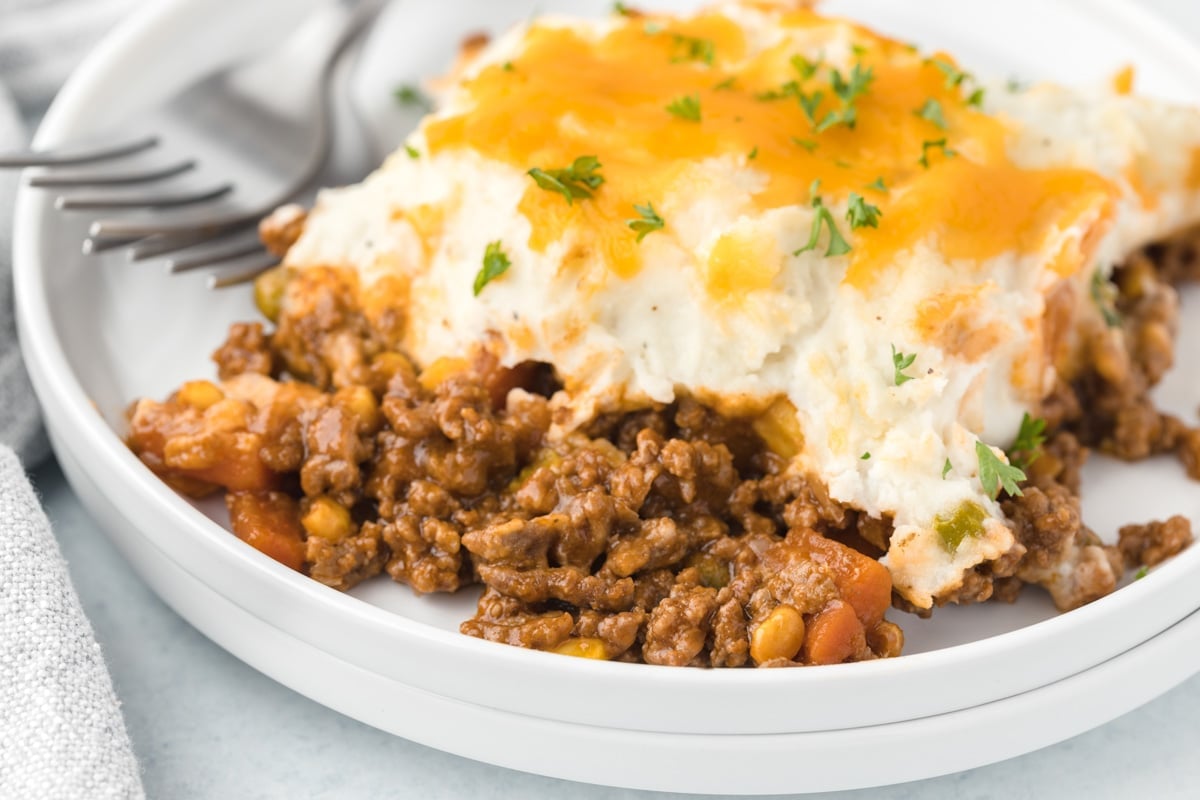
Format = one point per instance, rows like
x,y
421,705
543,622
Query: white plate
x,y
678,762
98,333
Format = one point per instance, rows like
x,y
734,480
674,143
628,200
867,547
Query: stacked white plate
x,y
978,684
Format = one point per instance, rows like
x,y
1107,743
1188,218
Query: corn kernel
x,y
780,635
780,429
387,365
327,519
361,403
200,394
433,375
583,647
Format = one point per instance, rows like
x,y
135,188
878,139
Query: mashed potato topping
x,y
784,215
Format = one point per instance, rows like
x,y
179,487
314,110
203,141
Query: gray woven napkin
x,y
61,732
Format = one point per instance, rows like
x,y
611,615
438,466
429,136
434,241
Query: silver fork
x,y
245,143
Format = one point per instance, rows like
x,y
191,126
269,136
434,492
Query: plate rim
x,y
800,762
194,535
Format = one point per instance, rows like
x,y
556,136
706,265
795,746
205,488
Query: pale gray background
x,y
204,725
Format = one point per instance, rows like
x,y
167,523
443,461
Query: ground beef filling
x,y
670,535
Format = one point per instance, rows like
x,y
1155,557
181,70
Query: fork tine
x,y
111,179
108,228
214,256
95,246
160,244
249,272
61,159
102,202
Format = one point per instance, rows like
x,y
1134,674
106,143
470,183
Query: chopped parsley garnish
x,y
823,218
1141,573
954,76
789,89
622,9
1028,445
806,68
901,362
508,66
650,221
809,104
652,28
878,185
861,213
946,468
807,144
408,95
995,475
1104,295
932,111
575,182
865,456
858,50
936,144
847,90
495,264
725,84
413,152
692,48
686,107
753,153
850,90
976,99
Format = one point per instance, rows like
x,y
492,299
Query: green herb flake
x,y
508,66
409,95
1015,85
652,28
726,84
975,100
932,111
850,89
622,10
865,457
413,152
877,185
937,144
495,264
858,50
807,144
901,362
946,468
692,48
650,221
862,214
809,104
954,76
1027,448
753,153
806,68
995,475
1104,295
1141,573
686,107
823,218
576,182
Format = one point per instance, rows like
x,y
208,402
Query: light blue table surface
x,y
205,725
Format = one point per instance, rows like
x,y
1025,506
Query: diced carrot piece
x,y
861,580
239,469
834,635
270,523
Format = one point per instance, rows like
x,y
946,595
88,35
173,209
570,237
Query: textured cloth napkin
x,y
61,732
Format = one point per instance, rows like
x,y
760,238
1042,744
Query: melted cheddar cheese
x,y
829,200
